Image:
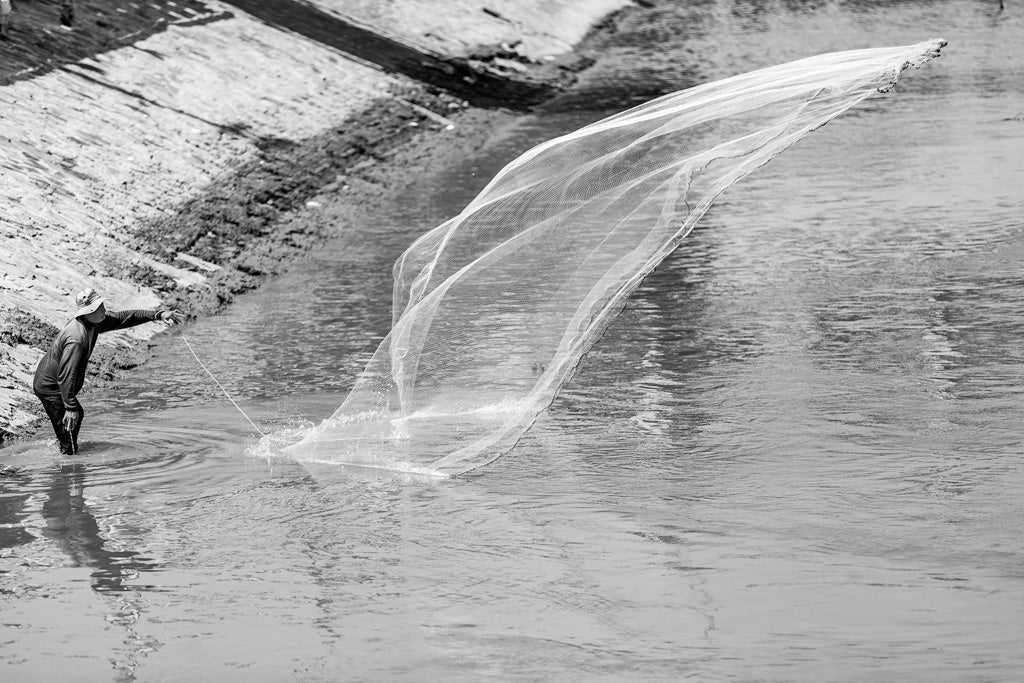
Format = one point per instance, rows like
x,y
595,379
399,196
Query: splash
x,y
494,308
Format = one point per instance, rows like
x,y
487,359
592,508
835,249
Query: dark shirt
x,y
62,369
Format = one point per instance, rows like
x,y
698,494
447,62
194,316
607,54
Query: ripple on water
x,y
795,452
155,457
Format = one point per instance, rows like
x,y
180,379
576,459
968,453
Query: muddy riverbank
x,y
189,152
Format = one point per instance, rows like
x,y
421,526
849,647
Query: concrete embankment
x,y
175,153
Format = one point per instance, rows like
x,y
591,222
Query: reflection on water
x,y
12,516
795,455
71,526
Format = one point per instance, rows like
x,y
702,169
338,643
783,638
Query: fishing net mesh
x,y
494,308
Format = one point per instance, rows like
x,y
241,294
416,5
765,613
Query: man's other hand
x,y
174,317
70,421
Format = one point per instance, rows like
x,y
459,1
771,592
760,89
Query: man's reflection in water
x,y
71,525
12,516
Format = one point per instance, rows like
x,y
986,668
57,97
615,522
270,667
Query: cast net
x,y
494,308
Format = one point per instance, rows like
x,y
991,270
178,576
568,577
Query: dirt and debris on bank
x,y
38,41
499,69
232,231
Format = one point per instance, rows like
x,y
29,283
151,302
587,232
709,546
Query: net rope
x,y
494,309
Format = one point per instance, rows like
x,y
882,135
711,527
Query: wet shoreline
x,y
247,224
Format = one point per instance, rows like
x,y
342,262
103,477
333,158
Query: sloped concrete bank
x,y
182,156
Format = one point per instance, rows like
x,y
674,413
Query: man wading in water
x,y
61,372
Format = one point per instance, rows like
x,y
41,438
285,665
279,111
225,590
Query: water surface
x,y
796,455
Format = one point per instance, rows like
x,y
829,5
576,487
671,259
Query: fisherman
x,y
61,372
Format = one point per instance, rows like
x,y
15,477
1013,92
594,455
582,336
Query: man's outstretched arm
x,y
121,320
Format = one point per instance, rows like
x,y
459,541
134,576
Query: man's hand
x,y
174,317
70,421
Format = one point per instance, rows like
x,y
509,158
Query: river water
x,y
796,455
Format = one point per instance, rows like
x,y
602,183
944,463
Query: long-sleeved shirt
x,y
62,369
